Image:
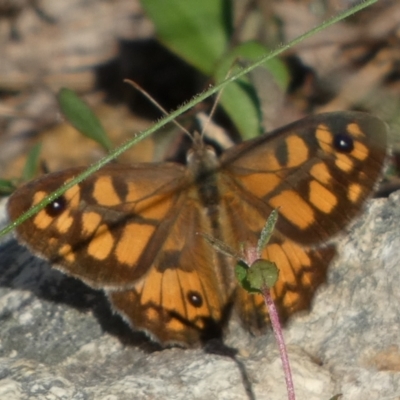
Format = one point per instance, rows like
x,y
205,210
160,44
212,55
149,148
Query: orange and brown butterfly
x,y
133,231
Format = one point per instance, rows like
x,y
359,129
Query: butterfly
x,y
135,231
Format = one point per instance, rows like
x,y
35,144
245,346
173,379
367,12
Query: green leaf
x,y
6,187
262,273
241,270
29,171
198,31
251,52
240,99
267,231
240,103
82,117
32,163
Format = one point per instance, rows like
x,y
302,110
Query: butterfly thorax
x,y
202,163
201,159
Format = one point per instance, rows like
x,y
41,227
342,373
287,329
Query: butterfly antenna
x,y
157,104
216,102
212,112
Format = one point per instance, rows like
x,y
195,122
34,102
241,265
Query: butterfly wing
x,y
132,231
98,230
317,172
301,272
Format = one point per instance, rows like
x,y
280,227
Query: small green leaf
x,y
82,117
240,103
240,99
267,231
6,187
262,273
241,270
247,53
32,163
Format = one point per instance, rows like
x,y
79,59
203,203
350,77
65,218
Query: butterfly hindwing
x,y
180,298
301,269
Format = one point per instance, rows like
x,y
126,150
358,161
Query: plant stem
x,y
277,328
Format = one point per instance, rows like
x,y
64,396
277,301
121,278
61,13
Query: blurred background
x,y
91,46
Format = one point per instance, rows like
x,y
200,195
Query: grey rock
x,y
59,339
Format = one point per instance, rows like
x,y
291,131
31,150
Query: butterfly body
x,y
135,231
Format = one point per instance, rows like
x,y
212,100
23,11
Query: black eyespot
x,y
343,143
56,207
195,299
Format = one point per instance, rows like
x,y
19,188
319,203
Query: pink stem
x,y
276,326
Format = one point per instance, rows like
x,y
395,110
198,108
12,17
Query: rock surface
x,y
59,340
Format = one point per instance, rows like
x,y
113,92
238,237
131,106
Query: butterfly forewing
x,y
136,231
104,230
318,171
